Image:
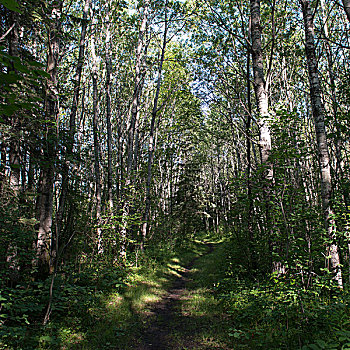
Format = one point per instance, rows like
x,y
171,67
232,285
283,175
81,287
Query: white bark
x,y
322,145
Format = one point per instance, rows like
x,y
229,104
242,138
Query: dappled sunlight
x,y
199,303
173,273
114,300
142,279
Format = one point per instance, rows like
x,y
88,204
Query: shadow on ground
x,y
187,316
169,306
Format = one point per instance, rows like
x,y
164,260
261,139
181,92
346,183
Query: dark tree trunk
x,y
96,150
72,121
45,199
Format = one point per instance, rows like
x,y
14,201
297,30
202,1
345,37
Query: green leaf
x,y
314,347
322,344
11,5
42,73
9,78
8,109
21,68
46,338
35,64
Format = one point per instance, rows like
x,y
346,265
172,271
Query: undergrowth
x,y
100,307
224,307
275,312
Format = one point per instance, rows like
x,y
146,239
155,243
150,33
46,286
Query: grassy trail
x,y
167,304
186,316
169,321
198,297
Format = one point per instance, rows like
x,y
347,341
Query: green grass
x,y
115,317
221,308
204,323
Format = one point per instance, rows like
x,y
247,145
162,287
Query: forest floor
x,y
185,315
164,307
199,297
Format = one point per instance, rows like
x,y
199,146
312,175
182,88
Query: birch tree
x,y
322,144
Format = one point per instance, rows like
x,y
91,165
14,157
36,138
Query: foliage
x,y
86,103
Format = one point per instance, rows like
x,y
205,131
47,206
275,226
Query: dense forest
x,y
144,142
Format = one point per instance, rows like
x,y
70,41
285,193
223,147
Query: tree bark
x,y
14,145
138,86
108,116
45,198
261,92
261,95
322,144
151,144
14,142
339,173
140,52
96,148
72,121
253,260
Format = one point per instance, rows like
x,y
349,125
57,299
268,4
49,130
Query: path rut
x,y
157,335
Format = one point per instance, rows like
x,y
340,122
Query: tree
x,y
322,144
45,198
155,111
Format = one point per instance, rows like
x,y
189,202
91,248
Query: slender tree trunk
x,y
151,145
253,261
14,140
140,53
322,145
339,173
72,121
14,144
2,168
261,95
45,199
108,118
96,149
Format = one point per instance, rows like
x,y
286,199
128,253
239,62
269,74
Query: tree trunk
x,y
261,95
339,173
14,142
108,118
151,145
322,145
140,52
96,149
14,157
253,261
72,121
45,199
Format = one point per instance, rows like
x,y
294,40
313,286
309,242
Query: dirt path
x,y
164,316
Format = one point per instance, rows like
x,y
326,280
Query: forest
x,y
174,174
